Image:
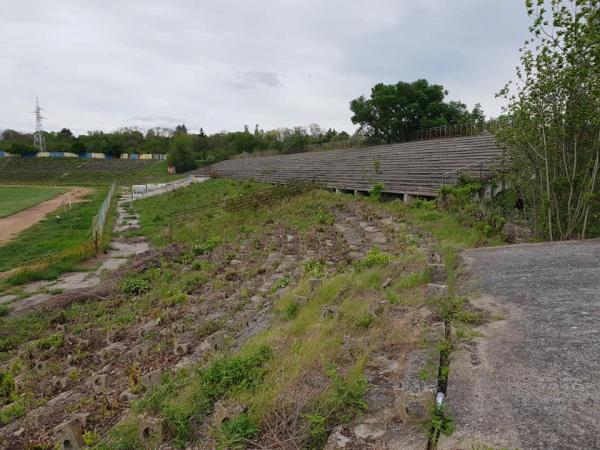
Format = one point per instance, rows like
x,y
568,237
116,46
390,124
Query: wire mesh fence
x,y
75,254
99,219
441,132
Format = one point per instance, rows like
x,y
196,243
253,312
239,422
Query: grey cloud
x,y
155,119
101,65
249,79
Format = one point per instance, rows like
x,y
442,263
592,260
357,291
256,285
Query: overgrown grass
x,y
198,218
77,172
184,399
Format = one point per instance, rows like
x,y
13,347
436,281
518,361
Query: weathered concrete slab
x,y
125,249
533,381
7,298
76,280
110,264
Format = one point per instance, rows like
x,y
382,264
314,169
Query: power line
x,y
38,137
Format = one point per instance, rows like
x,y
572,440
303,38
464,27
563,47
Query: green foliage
x,y
341,403
235,433
207,246
281,283
365,321
376,192
419,203
7,387
52,341
325,218
89,438
487,215
4,310
551,127
290,310
123,437
180,153
374,258
441,422
394,112
134,285
185,398
314,268
12,411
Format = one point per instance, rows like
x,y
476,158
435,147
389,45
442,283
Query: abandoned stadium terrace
x,y
409,169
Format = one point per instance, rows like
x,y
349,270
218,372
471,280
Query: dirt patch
x,y
11,226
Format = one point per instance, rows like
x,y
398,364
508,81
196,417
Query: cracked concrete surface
x,y
121,248
532,381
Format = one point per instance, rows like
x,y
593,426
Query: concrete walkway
x,y
121,248
533,380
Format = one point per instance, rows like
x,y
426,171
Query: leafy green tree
x,y
18,148
65,133
77,146
243,142
395,111
181,129
552,124
180,154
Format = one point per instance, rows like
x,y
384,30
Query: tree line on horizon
x,y
392,113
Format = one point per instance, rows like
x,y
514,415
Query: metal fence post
x,y
96,242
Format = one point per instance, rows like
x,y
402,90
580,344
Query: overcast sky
x,y
99,65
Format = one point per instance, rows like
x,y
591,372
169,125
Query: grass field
x,y
69,172
52,235
17,198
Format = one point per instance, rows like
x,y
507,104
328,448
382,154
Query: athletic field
x,y
17,198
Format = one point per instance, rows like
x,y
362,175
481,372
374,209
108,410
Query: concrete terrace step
x,y
411,167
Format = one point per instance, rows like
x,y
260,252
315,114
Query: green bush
x,y
134,285
374,258
341,403
419,203
49,342
314,268
208,246
12,411
182,400
376,192
325,218
180,153
4,310
280,284
236,433
291,310
365,321
7,387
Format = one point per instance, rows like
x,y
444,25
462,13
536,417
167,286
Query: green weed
x,y
314,268
12,411
184,399
134,285
365,321
281,283
207,246
374,258
376,192
235,433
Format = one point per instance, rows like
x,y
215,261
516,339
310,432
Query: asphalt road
x,y
532,381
